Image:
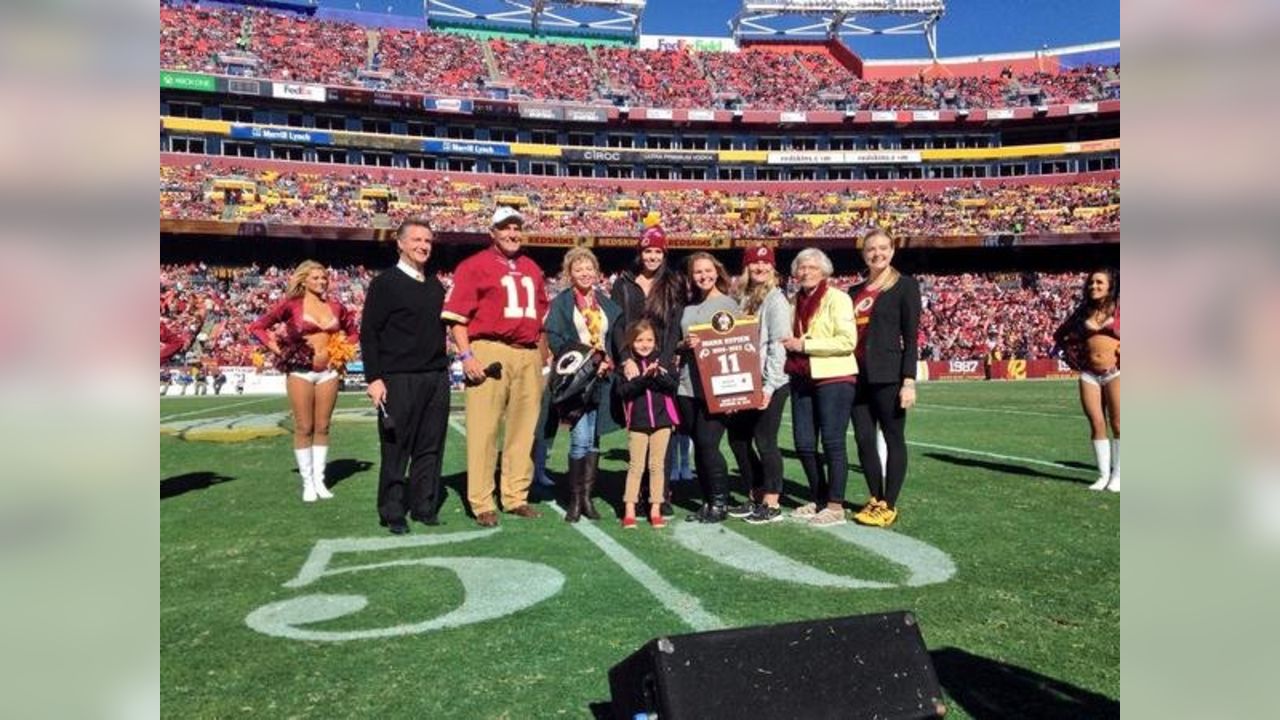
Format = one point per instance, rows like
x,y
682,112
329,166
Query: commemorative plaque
x,y
728,358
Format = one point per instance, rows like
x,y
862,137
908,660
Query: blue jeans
x,y
582,438
822,412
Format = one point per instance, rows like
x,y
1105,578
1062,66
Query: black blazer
x,y
892,350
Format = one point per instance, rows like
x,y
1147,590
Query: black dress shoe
x,y
398,527
709,514
431,520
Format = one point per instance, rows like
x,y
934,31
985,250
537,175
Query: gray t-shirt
x,y
700,314
775,325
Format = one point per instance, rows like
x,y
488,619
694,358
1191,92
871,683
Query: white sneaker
x,y
827,516
1114,484
1101,483
805,512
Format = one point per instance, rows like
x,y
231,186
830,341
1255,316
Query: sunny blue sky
x,y
970,27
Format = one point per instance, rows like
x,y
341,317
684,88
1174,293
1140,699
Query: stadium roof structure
x,y
542,15
832,18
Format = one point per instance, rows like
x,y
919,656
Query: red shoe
x,y
657,521
628,522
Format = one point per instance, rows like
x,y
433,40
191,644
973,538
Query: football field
x,y
275,608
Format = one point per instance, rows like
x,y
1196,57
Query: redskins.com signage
x,y
589,115
609,155
295,91
804,157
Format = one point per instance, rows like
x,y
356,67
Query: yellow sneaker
x,y
883,516
887,516
867,515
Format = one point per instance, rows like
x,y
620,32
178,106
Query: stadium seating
x,y
286,46
332,197
965,316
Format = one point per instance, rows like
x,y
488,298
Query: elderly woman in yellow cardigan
x,y
824,376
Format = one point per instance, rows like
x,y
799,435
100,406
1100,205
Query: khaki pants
x,y
653,442
517,398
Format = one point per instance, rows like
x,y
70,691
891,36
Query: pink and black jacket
x,y
649,402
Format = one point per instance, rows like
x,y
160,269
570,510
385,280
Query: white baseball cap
x,y
505,213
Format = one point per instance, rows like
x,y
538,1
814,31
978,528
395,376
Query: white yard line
x,y
984,453
998,456
687,607
998,410
214,408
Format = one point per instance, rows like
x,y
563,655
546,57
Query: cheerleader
x,y
318,339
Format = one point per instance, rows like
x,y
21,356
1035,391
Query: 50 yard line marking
x,y
687,607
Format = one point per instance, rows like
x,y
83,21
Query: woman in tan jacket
x,y
824,377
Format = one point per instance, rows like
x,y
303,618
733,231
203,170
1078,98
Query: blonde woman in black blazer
x,y
887,312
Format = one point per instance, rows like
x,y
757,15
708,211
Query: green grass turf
x,y
1027,627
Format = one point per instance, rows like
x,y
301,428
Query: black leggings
x,y
876,404
707,431
753,438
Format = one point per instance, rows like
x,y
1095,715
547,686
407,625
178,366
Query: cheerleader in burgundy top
x,y
1089,341
319,336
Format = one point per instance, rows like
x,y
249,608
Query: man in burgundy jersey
x,y
496,309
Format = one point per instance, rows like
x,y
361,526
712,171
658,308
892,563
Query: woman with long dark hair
x,y
886,308
320,335
654,291
1089,341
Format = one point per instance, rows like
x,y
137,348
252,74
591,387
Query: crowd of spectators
x,y
334,198
965,317
764,80
294,47
297,47
449,64
214,307
652,78
547,71
981,317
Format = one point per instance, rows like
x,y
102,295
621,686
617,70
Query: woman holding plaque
x,y
753,434
709,303
886,308
823,374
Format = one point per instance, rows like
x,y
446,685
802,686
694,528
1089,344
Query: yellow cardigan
x,y
831,336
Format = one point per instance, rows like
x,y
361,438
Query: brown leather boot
x,y
590,468
574,508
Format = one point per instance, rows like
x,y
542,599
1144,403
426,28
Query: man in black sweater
x,y
402,343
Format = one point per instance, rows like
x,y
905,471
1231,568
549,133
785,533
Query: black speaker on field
x,y
862,666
